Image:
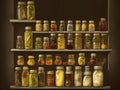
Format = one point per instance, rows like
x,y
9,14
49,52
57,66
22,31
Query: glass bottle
x,y
88,41
41,60
18,74
93,59
25,77
20,60
50,78
33,78
78,76
53,41
30,10
41,77
104,41
61,41
62,25
53,25
21,10
96,41
31,61
49,60
58,60
38,43
46,43
81,59
70,44
46,25
59,76
103,24
19,42
78,41
71,59
70,25
28,37
38,25
84,25
98,76
69,77
91,26
78,25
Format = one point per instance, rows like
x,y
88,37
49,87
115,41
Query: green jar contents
x,y
21,10
46,25
62,25
91,26
38,25
84,25
33,78
88,41
30,10
78,25
38,43
96,41
28,37
61,41
81,59
104,41
78,41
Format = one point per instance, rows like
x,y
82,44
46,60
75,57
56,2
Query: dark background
x,y
6,12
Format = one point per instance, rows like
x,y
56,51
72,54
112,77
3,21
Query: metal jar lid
x,y
38,21
78,34
103,34
28,28
17,68
25,68
60,67
30,2
50,72
97,34
84,21
87,34
30,57
41,55
70,41
41,68
19,37
53,21
33,71
103,19
20,56
46,21
98,67
68,68
81,54
87,73
49,55
93,54
60,34
46,39
78,21
21,3
38,39
78,68
62,21
91,21
70,21
52,34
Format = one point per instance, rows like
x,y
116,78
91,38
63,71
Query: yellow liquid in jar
x,y
61,43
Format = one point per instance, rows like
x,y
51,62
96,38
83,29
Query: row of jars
x,y
60,77
49,60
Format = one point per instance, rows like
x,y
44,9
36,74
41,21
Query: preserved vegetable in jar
x,y
91,26
46,43
78,25
31,61
78,41
49,60
20,60
61,41
62,25
19,42
84,25
93,59
46,25
50,78
88,41
41,60
70,25
96,41
53,41
38,43
58,60
53,25
104,41
81,59
71,59
38,25
103,24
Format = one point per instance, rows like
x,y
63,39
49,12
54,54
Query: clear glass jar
x,y
53,25
41,77
78,25
30,10
61,41
70,44
18,74
21,10
59,76
49,60
38,25
91,26
33,78
46,25
46,43
53,41
70,25
93,59
41,60
88,41
103,24
31,61
104,41
71,59
78,76
58,60
38,43
81,59
96,41
50,78
70,36
19,42
28,38
98,76
62,25
78,41
25,77
84,25
20,60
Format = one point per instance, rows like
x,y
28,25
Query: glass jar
x,y
78,41
21,11
49,60
70,44
88,41
46,25
84,25
46,43
41,77
30,10
20,60
70,25
62,25
78,25
93,59
78,76
58,60
53,25
18,76
50,78
71,59
25,77
69,77
19,42
70,36
28,37
53,41
91,26
38,25
103,24
81,59
41,60
31,61
59,76
98,76
61,41
104,41
38,43
96,41
33,78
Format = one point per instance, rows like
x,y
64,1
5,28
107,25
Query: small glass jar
x,y
41,77
38,43
93,59
46,43
70,36
53,25
78,76
96,41
62,25
70,44
78,41
25,77
59,76
30,10
53,41
58,60
104,41
41,60
50,78
38,25
78,25
91,26
103,24
81,59
21,10
70,25
98,76
18,74
71,59
20,60
31,61
84,25
19,42
46,25
49,60
61,41
88,41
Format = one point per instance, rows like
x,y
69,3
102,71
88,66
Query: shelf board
x,y
22,21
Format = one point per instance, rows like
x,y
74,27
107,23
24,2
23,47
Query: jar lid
x,y
84,21
53,21
97,34
46,21
103,19
40,55
33,71
19,37
78,67
103,34
87,34
81,54
30,2
91,21
78,34
21,3
41,68
25,68
60,34
62,21
46,39
30,56
20,56
78,21
68,68
87,68
52,34
50,72
93,54
69,34
98,67
38,39
17,68
69,41
60,67
38,21
28,28
48,55
87,73
70,21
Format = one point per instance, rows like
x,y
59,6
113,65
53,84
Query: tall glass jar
x,y
28,37
19,42
46,25
53,25
96,41
30,10
49,59
18,74
91,26
46,43
53,41
93,59
103,24
41,60
59,76
50,78
70,25
78,76
62,25
41,77
104,41
61,41
81,59
78,41
84,25
88,41
78,25
31,61
20,60
25,77
98,76
38,43
21,10
71,59
58,60
38,25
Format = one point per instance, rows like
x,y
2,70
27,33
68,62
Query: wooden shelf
x,y
22,21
